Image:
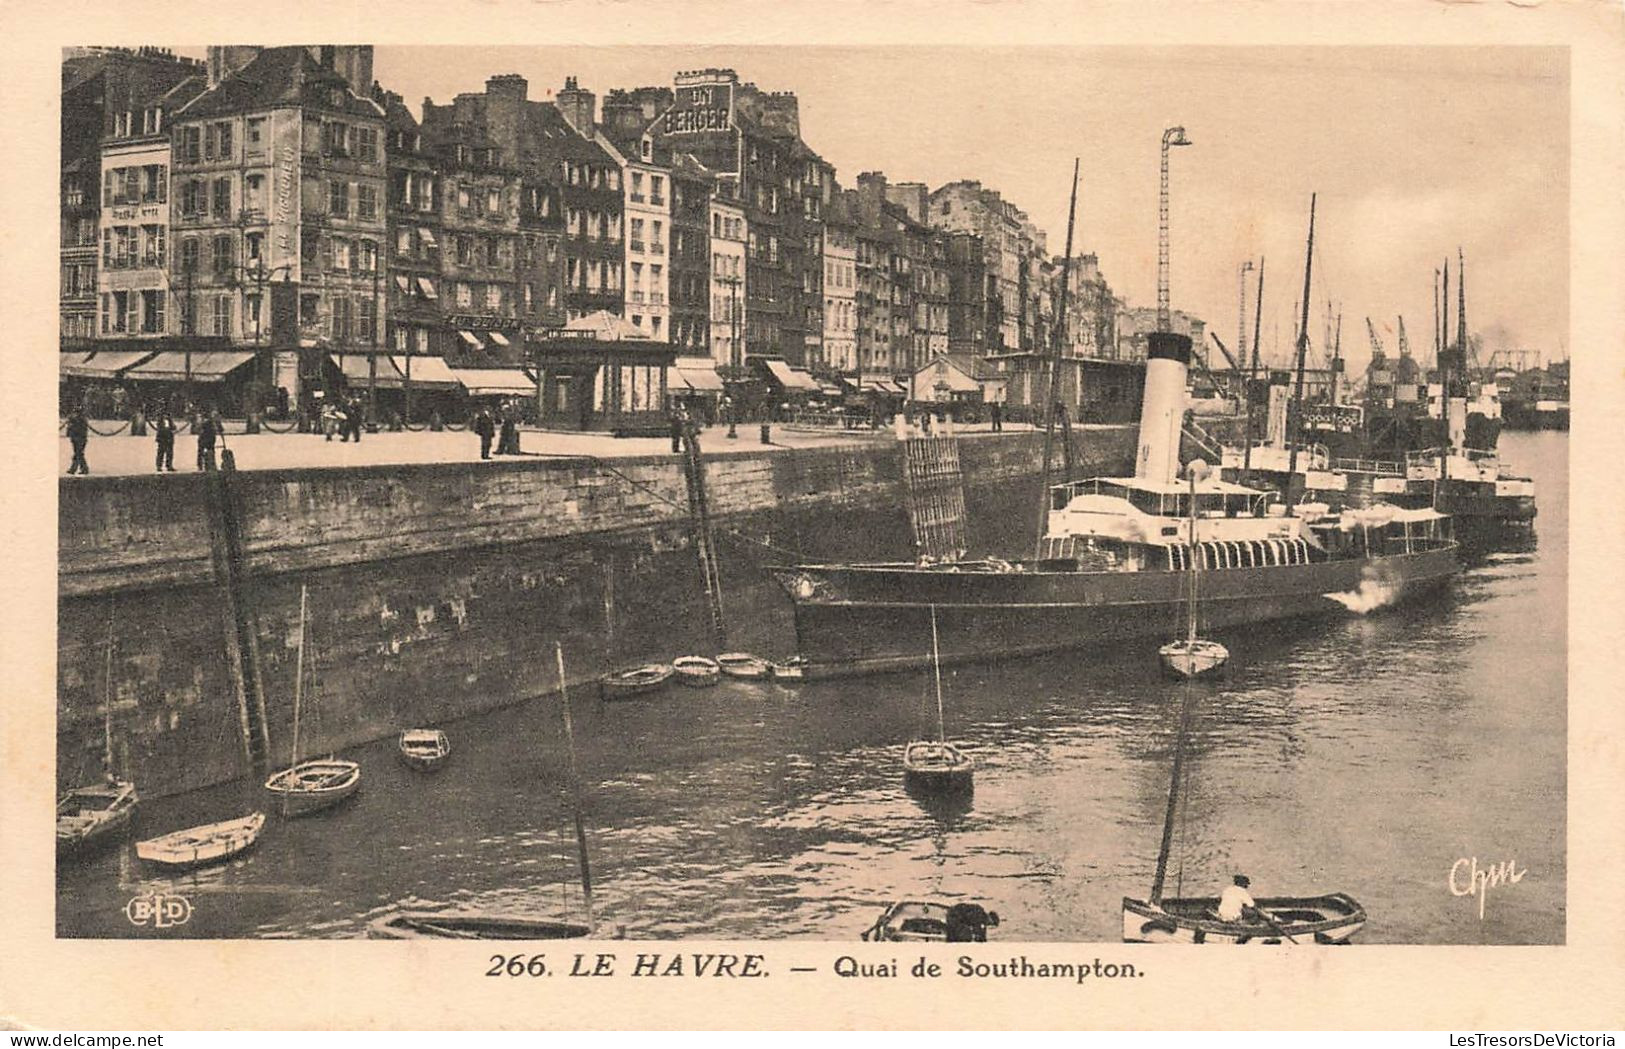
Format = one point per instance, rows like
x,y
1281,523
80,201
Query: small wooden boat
x,y
934,765
1193,657
697,671
638,681
1330,919
197,846
312,786
916,921
792,669
91,816
744,665
425,749
470,925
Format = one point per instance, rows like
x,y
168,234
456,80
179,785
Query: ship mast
x,y
1173,794
1294,431
575,788
1252,370
1055,369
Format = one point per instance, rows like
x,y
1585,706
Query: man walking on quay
x,y
208,428
679,423
486,430
996,410
78,434
164,428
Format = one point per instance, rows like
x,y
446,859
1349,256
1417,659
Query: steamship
x,y
1113,562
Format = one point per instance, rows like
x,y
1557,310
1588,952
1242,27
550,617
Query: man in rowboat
x,y
1236,903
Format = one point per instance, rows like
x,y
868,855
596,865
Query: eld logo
x,y
160,912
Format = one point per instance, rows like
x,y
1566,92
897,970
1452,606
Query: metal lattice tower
x,y
1174,136
1241,308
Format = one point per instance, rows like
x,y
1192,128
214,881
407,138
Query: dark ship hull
x,y
853,619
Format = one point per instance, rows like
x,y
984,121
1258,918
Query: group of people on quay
x,y
208,426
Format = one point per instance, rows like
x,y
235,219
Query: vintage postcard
x,y
878,515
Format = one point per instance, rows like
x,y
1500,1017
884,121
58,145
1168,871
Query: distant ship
x,y
1114,561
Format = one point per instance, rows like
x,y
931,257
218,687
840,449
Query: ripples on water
x,y
1362,754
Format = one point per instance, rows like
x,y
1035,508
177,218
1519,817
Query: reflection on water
x,y
1365,754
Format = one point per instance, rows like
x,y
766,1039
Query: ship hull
x,y
854,619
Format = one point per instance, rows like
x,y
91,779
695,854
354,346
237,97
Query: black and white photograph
x,y
536,493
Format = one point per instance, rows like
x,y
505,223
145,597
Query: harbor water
x,y
1385,754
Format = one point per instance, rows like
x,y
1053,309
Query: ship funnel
x,y
1162,412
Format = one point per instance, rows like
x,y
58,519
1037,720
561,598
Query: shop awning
x,y
472,339
426,286
103,365
357,370
793,380
428,236
428,373
698,373
483,382
403,282
499,338
206,367
885,386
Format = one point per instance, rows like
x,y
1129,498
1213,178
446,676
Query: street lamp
x,y
260,274
735,364
1174,136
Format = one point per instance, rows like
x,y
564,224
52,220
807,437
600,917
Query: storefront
x,y
600,373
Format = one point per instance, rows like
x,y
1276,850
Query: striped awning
x,y
207,366
428,373
482,382
105,364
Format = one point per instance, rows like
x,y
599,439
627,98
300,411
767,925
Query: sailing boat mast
x,y
936,668
1196,560
107,699
298,677
1173,796
1295,430
575,788
1055,368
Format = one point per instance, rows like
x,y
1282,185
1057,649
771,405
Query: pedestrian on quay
x,y
996,410
208,428
485,429
164,429
679,424
510,430
78,436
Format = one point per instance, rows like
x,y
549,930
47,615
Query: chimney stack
x,y
1162,412
577,106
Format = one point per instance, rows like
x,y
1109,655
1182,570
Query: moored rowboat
x,y
470,925
91,816
743,665
1329,919
1193,658
425,749
312,786
697,671
196,846
917,921
939,766
636,681
792,669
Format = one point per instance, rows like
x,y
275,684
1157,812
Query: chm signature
x,y
1468,879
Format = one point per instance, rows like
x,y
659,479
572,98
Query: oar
x,y
1267,920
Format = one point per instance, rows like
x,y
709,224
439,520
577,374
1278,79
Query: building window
x,y
366,202
400,340
493,296
152,312
368,319
341,254
366,140
252,302
254,138
222,198
422,335
310,310
656,190
367,256
254,194
222,315
465,295
222,259
403,241
189,143
338,198
493,201
341,319
464,250
465,202
637,187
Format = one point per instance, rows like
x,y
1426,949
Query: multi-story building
x,y
840,254
807,186
541,255
553,147
972,328
415,321
479,263
113,95
1134,323
1091,326
873,258
645,167
279,176
727,274
691,189
1005,232
136,297
737,129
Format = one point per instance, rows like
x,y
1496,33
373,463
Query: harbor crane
x,y
1404,343
1378,354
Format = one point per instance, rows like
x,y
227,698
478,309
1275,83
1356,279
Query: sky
x,y
1412,153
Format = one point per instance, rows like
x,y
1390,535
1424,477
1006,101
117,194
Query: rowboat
x,y
196,846
425,749
792,669
470,925
697,671
624,684
310,786
1193,657
744,665
94,815
916,921
934,765
1330,919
